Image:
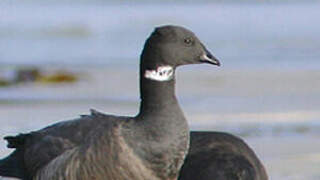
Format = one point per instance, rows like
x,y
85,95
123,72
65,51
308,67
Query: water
x,y
257,34
266,91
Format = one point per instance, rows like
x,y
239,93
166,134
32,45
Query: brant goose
x,y
220,156
149,146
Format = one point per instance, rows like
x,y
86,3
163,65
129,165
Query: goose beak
x,y
207,57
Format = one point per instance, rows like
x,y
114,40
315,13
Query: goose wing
x,y
36,149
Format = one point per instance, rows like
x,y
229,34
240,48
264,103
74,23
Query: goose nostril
x,y
210,56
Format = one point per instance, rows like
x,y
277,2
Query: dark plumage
x,y
220,156
149,146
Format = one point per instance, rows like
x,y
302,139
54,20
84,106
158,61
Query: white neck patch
x,y
162,73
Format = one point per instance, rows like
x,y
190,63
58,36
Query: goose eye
x,y
188,41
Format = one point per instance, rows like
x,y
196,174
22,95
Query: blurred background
x,y
59,58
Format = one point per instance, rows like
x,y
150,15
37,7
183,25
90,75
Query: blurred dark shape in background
x,y
37,75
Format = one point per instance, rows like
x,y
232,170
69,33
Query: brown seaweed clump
x,y
58,77
36,75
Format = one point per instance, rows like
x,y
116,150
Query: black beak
x,y
207,57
